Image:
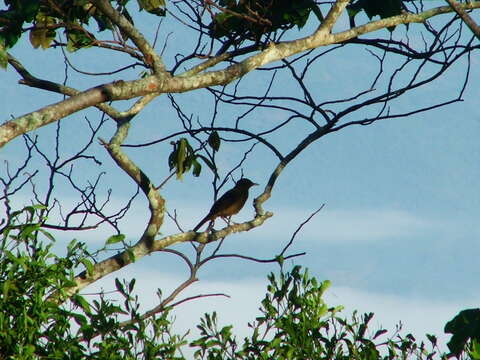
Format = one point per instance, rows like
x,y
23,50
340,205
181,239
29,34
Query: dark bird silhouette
x,y
229,203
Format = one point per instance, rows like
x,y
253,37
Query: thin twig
x,y
300,228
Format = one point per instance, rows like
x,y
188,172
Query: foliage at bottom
x,y
294,321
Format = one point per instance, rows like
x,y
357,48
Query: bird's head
x,y
245,183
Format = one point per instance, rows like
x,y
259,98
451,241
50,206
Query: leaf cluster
x,y
30,273
183,157
33,325
44,19
295,321
382,8
250,19
465,330
372,8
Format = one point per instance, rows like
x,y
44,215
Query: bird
x,y
229,203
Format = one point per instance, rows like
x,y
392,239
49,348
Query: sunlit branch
x,y
467,19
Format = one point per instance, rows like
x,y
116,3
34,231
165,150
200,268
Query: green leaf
x,y
382,8
131,285
432,339
115,239
88,265
275,15
210,164
475,352
325,285
36,207
80,301
156,7
29,9
11,37
27,230
40,34
380,332
181,156
104,22
120,287
79,319
47,234
353,10
463,327
5,288
173,156
197,168
77,39
214,140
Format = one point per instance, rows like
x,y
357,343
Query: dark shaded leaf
x,y
115,239
214,140
463,327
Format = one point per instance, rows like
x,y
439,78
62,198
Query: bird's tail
x,y
203,221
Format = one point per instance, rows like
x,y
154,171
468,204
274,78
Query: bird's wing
x,y
228,204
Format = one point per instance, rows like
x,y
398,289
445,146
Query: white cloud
x,y
419,315
356,225
368,225
337,225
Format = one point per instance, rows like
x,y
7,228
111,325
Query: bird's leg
x,y
210,225
227,219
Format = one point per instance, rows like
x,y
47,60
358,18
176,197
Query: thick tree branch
x,y
122,90
151,57
147,246
156,207
32,81
406,18
467,19
332,16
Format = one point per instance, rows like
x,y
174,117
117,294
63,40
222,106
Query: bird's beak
x,y
254,184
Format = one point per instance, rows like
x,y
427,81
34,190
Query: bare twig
x,y
297,230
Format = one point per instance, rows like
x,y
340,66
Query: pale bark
x,y
467,19
163,83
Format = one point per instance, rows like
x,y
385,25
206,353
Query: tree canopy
x,y
256,61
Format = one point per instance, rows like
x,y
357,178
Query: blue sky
x,y
399,233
